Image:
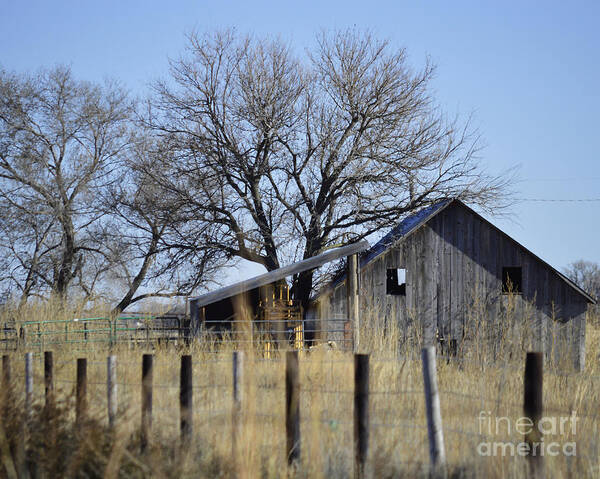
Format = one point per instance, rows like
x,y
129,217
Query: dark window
x,y
396,282
512,279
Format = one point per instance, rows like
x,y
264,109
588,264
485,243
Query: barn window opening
x,y
396,282
512,279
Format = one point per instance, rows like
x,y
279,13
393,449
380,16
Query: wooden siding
x,y
453,264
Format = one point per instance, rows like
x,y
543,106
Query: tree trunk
x,y
139,278
65,272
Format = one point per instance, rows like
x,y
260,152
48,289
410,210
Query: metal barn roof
x,y
279,274
404,228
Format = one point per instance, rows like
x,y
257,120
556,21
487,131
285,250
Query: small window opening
x,y
512,279
396,282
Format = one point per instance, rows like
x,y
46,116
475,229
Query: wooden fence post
x,y
6,384
361,413
352,297
186,400
292,406
435,433
110,336
85,332
81,395
111,389
28,384
147,373
9,466
49,378
6,372
21,456
238,378
532,408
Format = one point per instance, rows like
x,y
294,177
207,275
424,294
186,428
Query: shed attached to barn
x,y
445,268
261,304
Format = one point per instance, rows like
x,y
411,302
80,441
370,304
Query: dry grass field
x,y
474,392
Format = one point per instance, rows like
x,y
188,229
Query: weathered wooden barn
x,y
445,266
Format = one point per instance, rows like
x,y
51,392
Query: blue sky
x,y
529,73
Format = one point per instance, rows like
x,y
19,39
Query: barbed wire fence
x,y
296,396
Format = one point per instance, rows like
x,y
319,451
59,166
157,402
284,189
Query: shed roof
x,y
279,274
414,221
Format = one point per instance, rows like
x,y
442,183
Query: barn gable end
x,y
453,262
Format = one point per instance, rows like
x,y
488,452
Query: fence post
x,y
186,400
532,408
6,372
292,406
361,413
111,389
6,383
28,384
49,378
85,331
81,395
238,381
110,338
435,433
147,373
21,456
352,298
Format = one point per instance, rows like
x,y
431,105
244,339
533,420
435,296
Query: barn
x,y
446,267
444,272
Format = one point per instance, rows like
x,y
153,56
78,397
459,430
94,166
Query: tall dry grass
x,y
488,377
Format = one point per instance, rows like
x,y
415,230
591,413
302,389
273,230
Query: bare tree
x,y
80,209
290,156
586,274
59,142
27,232
144,232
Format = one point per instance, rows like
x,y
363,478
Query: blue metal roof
x,y
406,226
